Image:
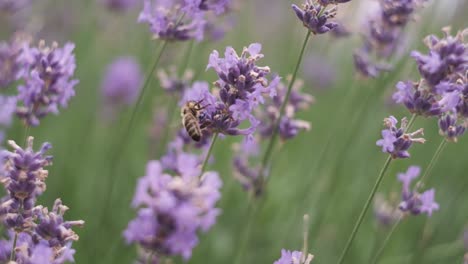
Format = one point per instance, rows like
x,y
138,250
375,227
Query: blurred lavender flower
x,y
340,31
11,6
172,83
315,16
366,67
167,20
9,67
289,127
293,257
7,109
383,34
319,71
121,83
173,209
412,201
396,141
120,5
385,213
217,6
244,172
47,72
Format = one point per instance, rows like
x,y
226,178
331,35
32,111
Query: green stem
x,y
271,144
384,244
12,254
207,157
434,159
245,236
364,209
410,123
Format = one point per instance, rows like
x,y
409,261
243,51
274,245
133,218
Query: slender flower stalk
x,y
269,150
371,197
208,154
434,159
364,209
385,242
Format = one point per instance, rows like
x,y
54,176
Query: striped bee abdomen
x,y
190,123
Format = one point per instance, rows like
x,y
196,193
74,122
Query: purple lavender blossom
x,y
47,72
367,68
9,67
121,83
173,209
293,257
217,6
53,229
43,236
11,6
396,141
172,83
7,109
242,86
383,34
418,100
449,128
289,127
244,172
169,21
447,58
412,201
315,16
24,179
119,5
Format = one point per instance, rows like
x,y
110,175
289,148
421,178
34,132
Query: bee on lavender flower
x,y
190,113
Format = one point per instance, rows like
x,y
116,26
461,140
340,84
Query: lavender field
x,y
231,131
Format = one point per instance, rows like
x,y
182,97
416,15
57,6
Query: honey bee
x,y
190,116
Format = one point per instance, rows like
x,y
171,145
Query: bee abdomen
x,y
192,128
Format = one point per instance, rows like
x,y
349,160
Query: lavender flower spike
x,y
294,257
396,141
315,16
7,109
412,201
121,84
24,179
170,22
173,209
47,72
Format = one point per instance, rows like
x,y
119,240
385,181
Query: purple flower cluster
x,y
315,16
396,141
383,35
7,109
47,73
242,86
180,19
11,6
412,201
294,257
43,235
248,151
289,127
119,5
172,209
9,66
121,83
443,89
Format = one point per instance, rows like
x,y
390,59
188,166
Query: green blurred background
x,y
332,192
